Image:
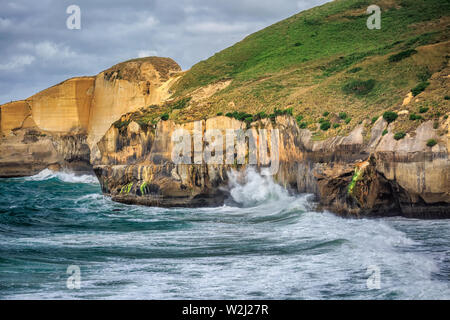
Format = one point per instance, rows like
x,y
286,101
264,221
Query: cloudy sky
x,y
37,49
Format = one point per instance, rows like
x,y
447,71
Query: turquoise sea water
x,y
267,245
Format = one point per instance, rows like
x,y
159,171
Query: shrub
x,y
419,88
414,116
299,118
121,124
325,125
402,55
446,116
326,113
435,125
354,70
390,116
431,143
312,22
143,123
447,97
374,119
423,109
399,135
165,116
359,87
238,115
384,132
424,75
249,119
261,115
303,125
321,120
220,113
342,115
278,112
180,104
347,121
243,115
336,125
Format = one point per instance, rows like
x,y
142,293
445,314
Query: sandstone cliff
x,y
349,175
60,126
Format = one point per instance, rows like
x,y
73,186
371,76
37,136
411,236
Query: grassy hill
x,y
325,65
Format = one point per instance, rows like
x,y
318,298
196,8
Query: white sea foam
x,y
250,188
70,177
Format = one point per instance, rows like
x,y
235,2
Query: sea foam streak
x,y
70,177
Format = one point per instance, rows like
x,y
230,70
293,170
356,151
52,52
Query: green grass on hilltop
x,y
336,28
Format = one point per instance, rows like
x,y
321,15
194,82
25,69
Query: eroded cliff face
x,y
47,130
127,87
59,127
384,176
364,173
136,166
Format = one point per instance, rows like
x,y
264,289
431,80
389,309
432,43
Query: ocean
x,y
265,244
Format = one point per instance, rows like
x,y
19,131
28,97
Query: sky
x,y
38,50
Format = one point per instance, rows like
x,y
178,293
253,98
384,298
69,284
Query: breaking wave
x,y
69,177
250,188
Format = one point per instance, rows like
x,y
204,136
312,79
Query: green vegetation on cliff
x,y
326,58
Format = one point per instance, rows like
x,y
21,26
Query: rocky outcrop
x,y
350,175
137,167
47,130
60,126
29,151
